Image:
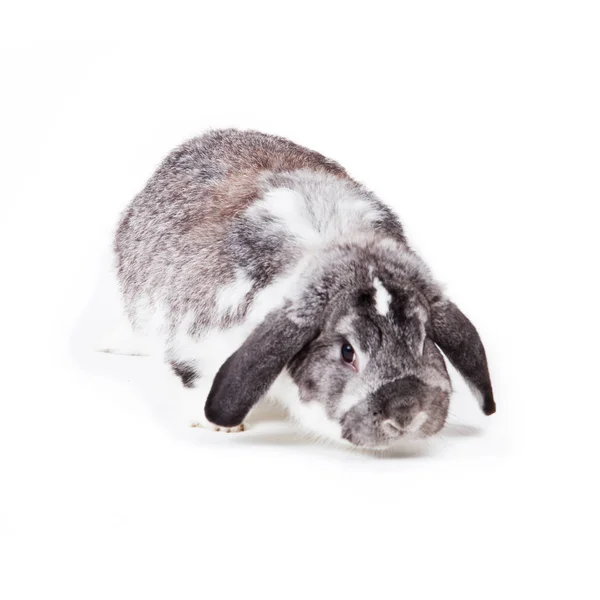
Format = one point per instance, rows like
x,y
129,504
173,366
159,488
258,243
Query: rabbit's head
x,y
357,350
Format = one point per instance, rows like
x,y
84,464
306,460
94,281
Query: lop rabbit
x,y
263,268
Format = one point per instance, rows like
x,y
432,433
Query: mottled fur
x,y
247,246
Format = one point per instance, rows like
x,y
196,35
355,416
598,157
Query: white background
x,y
479,123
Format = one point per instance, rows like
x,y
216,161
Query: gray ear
x,y
245,377
460,342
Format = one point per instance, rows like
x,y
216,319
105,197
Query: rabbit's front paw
x,y
207,425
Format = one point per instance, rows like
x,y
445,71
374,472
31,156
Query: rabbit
x,y
263,269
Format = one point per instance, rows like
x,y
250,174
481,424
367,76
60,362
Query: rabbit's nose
x,y
401,413
402,406
405,425
403,409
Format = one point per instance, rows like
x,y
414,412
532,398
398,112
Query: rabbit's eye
x,y
348,354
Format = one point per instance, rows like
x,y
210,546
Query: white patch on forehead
x,y
382,297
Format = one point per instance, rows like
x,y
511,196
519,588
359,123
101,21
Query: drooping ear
x,y
460,342
246,376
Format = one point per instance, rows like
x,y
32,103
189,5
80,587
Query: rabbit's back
x,y
179,218
226,216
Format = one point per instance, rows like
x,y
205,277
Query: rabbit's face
x,y
355,351
371,376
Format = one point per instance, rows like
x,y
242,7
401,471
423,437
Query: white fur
x,y
382,297
356,391
213,347
328,210
310,415
335,207
289,208
149,317
208,351
348,402
324,211
231,296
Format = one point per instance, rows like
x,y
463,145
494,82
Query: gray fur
x,y
215,213
182,236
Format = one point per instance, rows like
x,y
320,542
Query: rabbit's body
x,y
229,230
218,237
